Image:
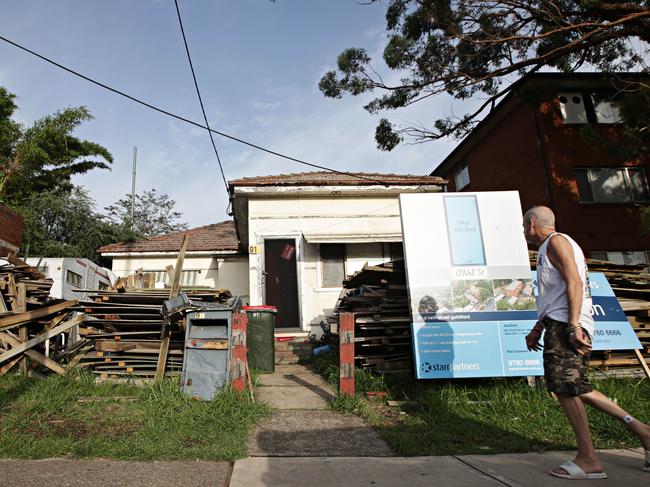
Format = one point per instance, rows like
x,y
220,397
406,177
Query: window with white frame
x,y
189,278
461,176
73,278
612,185
332,258
579,107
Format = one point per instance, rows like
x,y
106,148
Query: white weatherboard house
x,y
293,240
212,258
305,232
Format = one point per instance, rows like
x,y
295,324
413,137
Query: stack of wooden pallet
x,y
378,297
123,332
631,285
29,319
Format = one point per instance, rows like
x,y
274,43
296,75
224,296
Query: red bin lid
x,y
261,307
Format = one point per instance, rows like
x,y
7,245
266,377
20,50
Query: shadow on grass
x,y
12,387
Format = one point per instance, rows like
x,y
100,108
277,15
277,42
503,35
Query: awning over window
x,y
352,238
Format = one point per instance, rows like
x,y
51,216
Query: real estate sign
x,y
471,290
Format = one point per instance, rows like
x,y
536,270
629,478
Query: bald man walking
x,y
564,310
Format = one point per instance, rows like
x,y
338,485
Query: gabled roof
x,y
218,237
327,178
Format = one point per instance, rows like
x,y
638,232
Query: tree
x,y
469,47
65,224
46,155
153,214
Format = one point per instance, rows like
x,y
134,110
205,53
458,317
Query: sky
x,y
258,64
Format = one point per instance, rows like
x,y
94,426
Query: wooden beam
x,y
643,363
40,338
17,319
23,334
33,354
3,305
176,288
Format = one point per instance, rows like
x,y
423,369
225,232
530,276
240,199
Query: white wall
x,y
366,219
215,272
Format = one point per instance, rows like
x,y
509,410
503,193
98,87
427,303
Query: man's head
x,y
539,222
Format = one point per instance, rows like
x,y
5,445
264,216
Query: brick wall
x,y
292,351
11,227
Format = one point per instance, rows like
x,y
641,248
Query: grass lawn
x,y
483,416
43,418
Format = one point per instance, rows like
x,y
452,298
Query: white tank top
x,y
551,288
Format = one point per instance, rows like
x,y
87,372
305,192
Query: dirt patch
x,y
77,428
192,442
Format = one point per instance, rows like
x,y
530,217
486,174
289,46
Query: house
x,y
533,141
305,232
212,259
293,240
69,273
12,228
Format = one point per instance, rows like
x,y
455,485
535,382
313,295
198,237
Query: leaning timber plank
x,y
17,319
33,354
643,363
40,338
9,365
23,334
3,305
176,288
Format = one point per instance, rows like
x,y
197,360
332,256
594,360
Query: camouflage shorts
x,y
565,372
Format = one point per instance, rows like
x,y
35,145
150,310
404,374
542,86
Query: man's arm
x,y
560,253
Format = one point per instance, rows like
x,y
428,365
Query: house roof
x,y
545,81
218,237
328,178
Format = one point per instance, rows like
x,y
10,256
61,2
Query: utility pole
x,y
135,158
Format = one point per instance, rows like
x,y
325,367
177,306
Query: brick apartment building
x,y
532,142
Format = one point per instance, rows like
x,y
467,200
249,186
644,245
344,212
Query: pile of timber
x,y
631,285
30,321
22,286
379,298
123,332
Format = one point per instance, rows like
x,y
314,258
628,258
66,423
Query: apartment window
x,y
332,258
73,278
612,185
461,176
579,107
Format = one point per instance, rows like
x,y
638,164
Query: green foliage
x,y
466,48
153,214
65,224
42,418
46,155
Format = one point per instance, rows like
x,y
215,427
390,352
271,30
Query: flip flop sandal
x,y
646,465
574,472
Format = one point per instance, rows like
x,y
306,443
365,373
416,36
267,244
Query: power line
x,y
198,93
186,120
